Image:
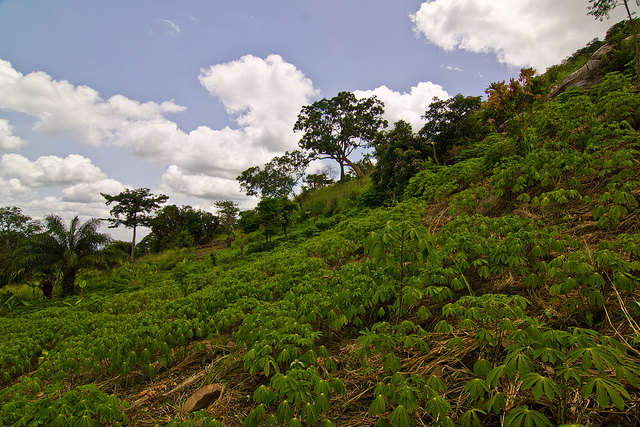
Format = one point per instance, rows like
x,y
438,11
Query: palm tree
x,y
65,250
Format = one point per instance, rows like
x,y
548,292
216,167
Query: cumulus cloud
x,y
66,209
265,94
81,183
49,171
89,192
406,106
13,190
178,181
536,33
8,141
78,111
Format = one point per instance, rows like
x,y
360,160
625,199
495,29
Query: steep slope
x,y
504,293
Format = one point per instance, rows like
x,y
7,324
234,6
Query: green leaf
x,y
310,414
378,405
294,422
529,416
471,418
481,367
476,387
284,413
497,403
400,417
253,420
540,385
495,374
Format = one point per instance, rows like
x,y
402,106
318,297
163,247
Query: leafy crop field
x,y
503,291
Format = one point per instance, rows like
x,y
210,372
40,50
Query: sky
x,y
181,96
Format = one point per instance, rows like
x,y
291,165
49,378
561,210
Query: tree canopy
x,y
15,228
63,250
278,178
451,122
184,226
400,154
227,214
14,225
334,128
132,209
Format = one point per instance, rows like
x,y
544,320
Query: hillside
x,y
501,290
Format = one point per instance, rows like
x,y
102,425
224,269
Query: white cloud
x,y
172,28
266,94
177,181
452,68
406,106
49,171
78,111
66,209
89,192
81,183
8,141
224,153
13,190
536,33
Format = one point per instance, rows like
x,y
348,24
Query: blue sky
x,y
182,96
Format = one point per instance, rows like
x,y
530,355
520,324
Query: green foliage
x,y
400,155
227,214
132,209
525,316
399,251
435,182
179,227
334,128
62,251
452,122
82,406
335,199
278,178
15,228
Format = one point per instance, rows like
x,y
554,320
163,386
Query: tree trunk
x,y
68,282
47,287
341,170
435,157
355,167
133,244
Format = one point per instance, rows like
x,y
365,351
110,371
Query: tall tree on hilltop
x,y
334,128
134,206
600,9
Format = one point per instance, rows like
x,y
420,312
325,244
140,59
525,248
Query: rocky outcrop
x,y
589,75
